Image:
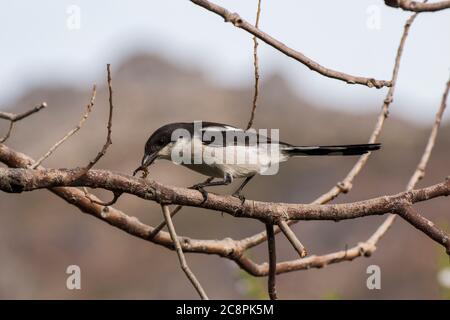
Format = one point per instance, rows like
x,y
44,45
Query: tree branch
x,y
12,117
271,282
418,6
425,225
347,183
17,117
290,235
109,126
226,248
183,263
21,180
70,133
256,69
239,22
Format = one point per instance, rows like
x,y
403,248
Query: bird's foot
x,y
200,189
240,196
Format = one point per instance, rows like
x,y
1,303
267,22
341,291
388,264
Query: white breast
x,y
238,161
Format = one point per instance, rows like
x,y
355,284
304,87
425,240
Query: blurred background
x,y
174,61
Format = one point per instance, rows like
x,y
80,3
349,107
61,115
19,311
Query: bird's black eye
x,y
160,142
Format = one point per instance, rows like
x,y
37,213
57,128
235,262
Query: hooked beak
x,y
147,160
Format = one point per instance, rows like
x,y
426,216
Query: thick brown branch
x,y
239,22
415,6
226,248
21,180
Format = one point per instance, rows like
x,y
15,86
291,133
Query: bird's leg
x,y
237,193
227,179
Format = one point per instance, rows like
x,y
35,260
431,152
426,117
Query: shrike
x,y
222,151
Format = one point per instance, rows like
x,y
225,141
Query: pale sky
x,y
38,46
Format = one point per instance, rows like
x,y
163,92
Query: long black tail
x,y
343,150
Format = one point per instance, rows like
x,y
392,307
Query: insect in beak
x,y
147,160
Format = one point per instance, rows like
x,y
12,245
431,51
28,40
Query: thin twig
x,y
109,127
70,133
7,135
161,226
239,22
271,282
180,253
420,170
17,117
12,117
256,69
290,235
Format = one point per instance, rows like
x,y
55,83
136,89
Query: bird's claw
x,y
200,189
240,196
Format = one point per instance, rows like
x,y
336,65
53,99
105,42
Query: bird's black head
x,y
157,145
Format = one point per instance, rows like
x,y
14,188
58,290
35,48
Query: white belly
x,y
238,161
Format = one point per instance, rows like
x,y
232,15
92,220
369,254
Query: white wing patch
x,y
224,128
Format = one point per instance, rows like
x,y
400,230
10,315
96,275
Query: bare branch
x,y
109,127
409,5
239,22
183,263
290,235
21,180
271,282
256,69
368,247
161,226
12,117
172,213
62,182
226,248
419,173
420,170
105,204
8,133
120,220
426,226
17,117
70,133
346,184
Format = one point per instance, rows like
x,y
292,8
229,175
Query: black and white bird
x,y
217,146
